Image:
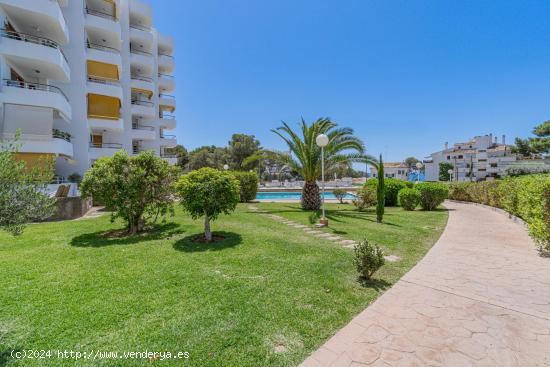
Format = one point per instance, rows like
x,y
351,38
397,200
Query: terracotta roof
x,y
395,165
498,148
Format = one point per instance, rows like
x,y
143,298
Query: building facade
x,y
479,159
398,170
82,79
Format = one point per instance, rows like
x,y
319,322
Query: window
x,y
494,165
460,157
448,157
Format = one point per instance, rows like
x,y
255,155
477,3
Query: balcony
x,y
143,132
142,60
167,83
100,124
105,87
145,109
166,63
167,102
142,83
167,121
104,54
39,95
170,158
45,15
98,150
141,35
36,54
169,141
140,13
102,21
58,144
165,44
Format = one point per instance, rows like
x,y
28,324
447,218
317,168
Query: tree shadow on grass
x,y
6,355
376,284
105,238
188,243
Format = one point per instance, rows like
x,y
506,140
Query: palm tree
x,y
305,157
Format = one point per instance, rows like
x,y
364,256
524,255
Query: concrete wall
x,y
71,208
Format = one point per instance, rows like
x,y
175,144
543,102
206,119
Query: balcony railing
x,y
58,134
34,86
142,103
101,14
140,52
142,78
106,145
104,81
170,56
166,76
142,127
32,39
95,46
168,155
140,27
166,96
167,117
164,136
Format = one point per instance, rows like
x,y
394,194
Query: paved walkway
x,y
481,297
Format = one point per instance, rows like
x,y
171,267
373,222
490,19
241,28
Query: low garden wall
x,y
71,208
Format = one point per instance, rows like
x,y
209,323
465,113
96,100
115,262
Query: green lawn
x,y
268,295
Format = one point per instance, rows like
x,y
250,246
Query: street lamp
x,y
418,167
225,167
322,142
450,172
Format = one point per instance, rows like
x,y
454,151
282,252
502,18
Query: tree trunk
x,y
311,200
207,231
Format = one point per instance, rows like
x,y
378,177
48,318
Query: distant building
x,y
397,170
481,158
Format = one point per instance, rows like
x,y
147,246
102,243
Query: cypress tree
x,y
380,192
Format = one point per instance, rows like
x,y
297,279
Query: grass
x,y
265,296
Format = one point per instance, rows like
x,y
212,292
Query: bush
x,y
208,192
432,194
368,259
392,186
365,198
486,192
248,182
527,169
409,198
340,194
136,189
460,191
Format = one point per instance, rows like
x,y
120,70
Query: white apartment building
x,y
398,170
481,158
82,79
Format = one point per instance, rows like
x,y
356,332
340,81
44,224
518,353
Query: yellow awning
x,y
102,70
149,93
103,107
167,108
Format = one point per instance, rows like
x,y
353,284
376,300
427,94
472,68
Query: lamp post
x,y
418,167
322,142
450,172
226,167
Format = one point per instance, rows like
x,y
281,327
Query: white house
x,y
397,170
83,79
480,158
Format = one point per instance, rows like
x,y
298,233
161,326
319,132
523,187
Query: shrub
x,y
460,191
485,192
432,194
368,259
365,198
248,182
527,169
392,186
409,198
208,192
137,189
340,194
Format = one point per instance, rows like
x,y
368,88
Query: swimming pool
x,y
293,196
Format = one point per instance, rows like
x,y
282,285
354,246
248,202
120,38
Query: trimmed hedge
x,y
409,198
392,188
527,197
249,184
432,194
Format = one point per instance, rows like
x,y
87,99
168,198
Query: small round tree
x,y
208,192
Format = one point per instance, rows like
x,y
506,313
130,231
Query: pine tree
x,y
380,192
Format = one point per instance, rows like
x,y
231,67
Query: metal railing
x,y
139,52
140,27
58,134
104,81
168,155
161,75
34,86
167,117
95,46
23,37
101,14
165,136
167,96
106,145
142,127
142,78
142,103
170,56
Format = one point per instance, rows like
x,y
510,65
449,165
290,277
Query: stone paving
x,y
480,297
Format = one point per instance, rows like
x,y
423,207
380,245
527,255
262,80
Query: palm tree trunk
x,y
311,200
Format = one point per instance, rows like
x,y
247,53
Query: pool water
x,y
293,196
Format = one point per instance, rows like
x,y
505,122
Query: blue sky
x,y
406,75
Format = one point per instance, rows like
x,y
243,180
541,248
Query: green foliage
x,y
460,191
432,194
340,194
527,169
365,198
535,146
409,198
22,198
181,154
486,192
75,177
392,186
411,162
137,189
208,156
368,259
248,182
380,192
207,193
240,148
444,171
